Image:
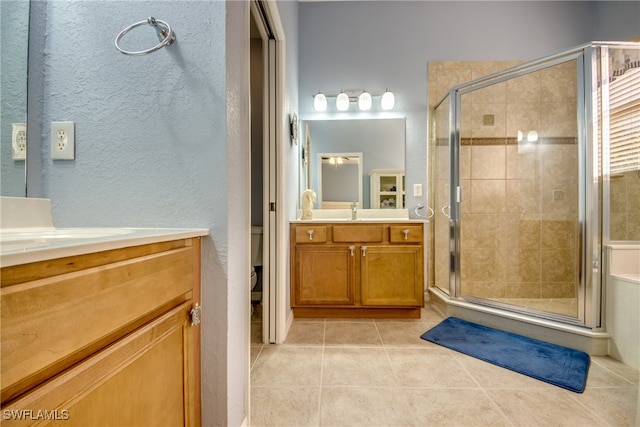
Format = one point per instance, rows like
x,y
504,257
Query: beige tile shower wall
x,y
625,206
519,234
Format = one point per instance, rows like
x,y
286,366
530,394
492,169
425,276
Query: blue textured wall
x,y
151,146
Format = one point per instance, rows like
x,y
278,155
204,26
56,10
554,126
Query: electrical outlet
x,y
63,140
19,141
417,190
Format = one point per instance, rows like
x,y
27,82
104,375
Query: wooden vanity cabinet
x,y
104,339
357,270
326,275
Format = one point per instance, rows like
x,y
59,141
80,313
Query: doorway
x,y
263,105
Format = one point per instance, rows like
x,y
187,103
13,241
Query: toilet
x,y
256,261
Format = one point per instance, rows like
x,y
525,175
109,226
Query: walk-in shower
x,y
521,164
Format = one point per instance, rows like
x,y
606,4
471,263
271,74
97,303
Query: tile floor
x,y
380,373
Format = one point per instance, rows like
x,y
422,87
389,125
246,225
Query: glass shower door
x,y
440,177
518,206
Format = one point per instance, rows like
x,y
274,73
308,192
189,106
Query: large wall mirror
x,y
14,33
363,144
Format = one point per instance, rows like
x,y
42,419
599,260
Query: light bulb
x,y
320,102
532,136
388,101
364,101
342,102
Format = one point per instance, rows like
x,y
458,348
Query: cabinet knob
x,y
406,233
196,314
352,248
310,233
364,250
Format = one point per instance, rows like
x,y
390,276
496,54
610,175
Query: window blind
x,y
624,122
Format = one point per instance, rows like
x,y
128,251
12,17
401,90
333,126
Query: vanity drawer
x,y
357,233
405,233
311,234
50,323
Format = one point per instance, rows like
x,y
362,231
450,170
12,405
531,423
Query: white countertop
x,y
33,244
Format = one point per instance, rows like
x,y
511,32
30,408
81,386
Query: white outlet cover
x,y
417,190
63,141
18,141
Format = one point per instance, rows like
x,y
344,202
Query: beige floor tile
x,y
428,368
402,334
538,407
375,373
306,333
454,407
366,367
431,313
351,334
616,406
363,406
287,366
255,351
285,406
600,376
625,371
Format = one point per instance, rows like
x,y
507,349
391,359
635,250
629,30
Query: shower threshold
x,y
550,330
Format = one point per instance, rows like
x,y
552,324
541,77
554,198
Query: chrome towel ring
x,y
165,35
428,216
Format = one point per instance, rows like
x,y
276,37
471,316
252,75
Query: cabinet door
x,y
324,275
144,379
391,276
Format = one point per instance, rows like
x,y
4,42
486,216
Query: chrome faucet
x,y
354,211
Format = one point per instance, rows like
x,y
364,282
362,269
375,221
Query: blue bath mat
x,y
561,366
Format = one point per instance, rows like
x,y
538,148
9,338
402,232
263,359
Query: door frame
x,y
275,133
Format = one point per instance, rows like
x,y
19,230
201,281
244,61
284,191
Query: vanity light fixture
x,y
364,101
342,101
320,102
388,100
362,97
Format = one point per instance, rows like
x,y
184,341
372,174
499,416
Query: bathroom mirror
x,y
14,33
339,183
380,143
